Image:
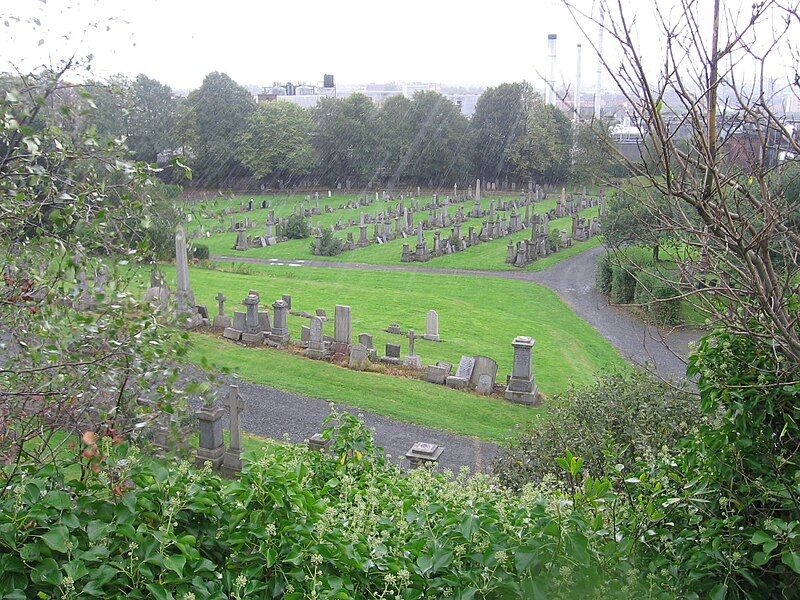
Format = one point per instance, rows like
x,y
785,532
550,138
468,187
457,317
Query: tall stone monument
x,y
521,385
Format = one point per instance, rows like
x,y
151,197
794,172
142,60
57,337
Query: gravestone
x,y
483,376
423,453
358,357
252,333
305,336
392,354
316,341
222,320
280,333
432,326
521,386
436,374
341,330
188,316
463,374
211,446
231,460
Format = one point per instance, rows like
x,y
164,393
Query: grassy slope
x,y
408,400
477,315
490,255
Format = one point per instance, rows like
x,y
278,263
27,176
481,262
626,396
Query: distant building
x,y
302,94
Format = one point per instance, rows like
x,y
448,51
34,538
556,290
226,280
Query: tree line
x,y
226,137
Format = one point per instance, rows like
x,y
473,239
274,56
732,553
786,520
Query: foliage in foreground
x,y
621,420
300,524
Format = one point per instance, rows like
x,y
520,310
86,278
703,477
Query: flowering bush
x,y
304,524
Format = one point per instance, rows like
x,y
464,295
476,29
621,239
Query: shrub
x,y
603,274
301,524
201,252
623,283
554,240
296,227
658,299
620,419
330,245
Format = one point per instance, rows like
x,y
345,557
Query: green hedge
x,y
623,283
201,251
658,299
604,274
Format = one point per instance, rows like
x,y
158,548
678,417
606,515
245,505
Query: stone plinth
x,y
521,386
423,453
211,446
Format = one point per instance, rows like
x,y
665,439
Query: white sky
x,y
462,42
257,42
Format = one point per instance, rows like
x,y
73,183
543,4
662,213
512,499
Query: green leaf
x,y
791,560
57,499
719,592
56,538
158,592
175,563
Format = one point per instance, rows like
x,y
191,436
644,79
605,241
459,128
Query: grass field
x,y
477,315
409,400
489,255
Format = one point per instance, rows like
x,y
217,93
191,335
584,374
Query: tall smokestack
x,y
577,102
550,94
598,85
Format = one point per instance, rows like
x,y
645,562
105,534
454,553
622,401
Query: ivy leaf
x,y
56,538
791,560
175,563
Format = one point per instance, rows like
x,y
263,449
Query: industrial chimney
x,y
550,94
577,102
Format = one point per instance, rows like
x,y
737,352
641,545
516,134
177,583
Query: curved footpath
x,y
275,413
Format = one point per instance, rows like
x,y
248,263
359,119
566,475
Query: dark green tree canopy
x,y
216,116
496,125
276,143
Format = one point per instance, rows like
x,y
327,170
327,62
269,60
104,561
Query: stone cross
x,y
220,303
412,337
235,406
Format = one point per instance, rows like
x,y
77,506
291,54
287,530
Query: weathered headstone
x,y
436,374
483,376
184,297
521,385
432,326
358,357
221,320
392,354
341,330
423,453
211,446
280,333
316,342
463,373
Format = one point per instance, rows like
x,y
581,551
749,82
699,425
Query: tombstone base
x,y
232,334
253,338
431,337
531,398
390,359
222,322
231,462
413,361
457,383
436,374
210,455
340,348
279,338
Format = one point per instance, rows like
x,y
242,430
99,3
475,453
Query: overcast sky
x,y
258,42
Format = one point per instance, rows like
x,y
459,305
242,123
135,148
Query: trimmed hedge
x,y
658,299
623,283
603,274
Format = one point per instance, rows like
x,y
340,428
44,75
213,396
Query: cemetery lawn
x,y
477,316
407,400
485,256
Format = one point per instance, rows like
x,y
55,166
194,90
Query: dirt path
x,y
661,350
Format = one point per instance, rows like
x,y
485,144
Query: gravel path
x,y
661,350
273,413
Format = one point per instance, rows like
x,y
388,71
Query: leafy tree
x,y
543,149
216,118
152,117
439,152
496,125
395,138
346,138
276,143
592,159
